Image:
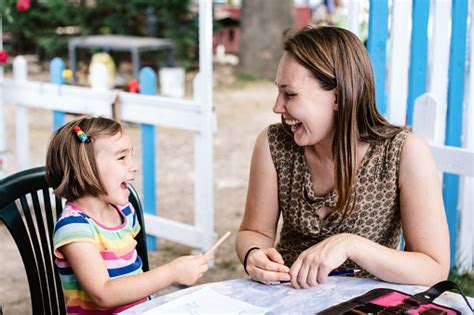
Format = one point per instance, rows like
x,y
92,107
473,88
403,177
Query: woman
x,y
346,182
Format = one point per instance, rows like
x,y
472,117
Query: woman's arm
x,y
259,224
426,258
91,273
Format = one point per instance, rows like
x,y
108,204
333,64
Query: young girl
x,y
89,163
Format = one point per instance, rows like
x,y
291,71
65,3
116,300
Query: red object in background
x,y
23,5
133,86
3,56
229,18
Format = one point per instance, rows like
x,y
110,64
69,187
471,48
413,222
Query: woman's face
x,y
305,106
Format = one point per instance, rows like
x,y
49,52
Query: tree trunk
x,y
262,25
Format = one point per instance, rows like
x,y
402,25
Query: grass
x,y
465,281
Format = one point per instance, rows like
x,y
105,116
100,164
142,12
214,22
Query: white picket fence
x,y
431,107
196,115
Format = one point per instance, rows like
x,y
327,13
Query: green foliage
x,y
35,30
465,282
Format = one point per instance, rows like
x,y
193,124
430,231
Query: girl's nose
x,y
133,167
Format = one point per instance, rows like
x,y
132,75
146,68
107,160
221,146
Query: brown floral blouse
x,y
376,213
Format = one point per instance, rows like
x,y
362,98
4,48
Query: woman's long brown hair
x,y
339,60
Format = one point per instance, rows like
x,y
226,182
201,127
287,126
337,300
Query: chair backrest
x,y
29,209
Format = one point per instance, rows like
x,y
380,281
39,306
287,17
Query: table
x,y
134,44
285,299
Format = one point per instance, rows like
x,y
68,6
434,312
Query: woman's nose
x,y
279,107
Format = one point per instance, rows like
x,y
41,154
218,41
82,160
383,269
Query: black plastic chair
x,y
29,209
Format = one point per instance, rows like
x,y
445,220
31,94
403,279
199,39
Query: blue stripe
x,y
457,63
418,54
65,271
377,48
126,211
69,220
116,272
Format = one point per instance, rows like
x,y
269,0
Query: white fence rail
x,y
196,115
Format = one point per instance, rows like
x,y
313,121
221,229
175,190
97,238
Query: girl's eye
x,y
290,95
122,158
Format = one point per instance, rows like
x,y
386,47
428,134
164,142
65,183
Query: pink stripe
x,y
62,263
121,226
113,256
80,311
119,263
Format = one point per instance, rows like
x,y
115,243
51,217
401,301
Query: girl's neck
x,y
96,208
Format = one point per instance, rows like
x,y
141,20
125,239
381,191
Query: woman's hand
x,y
314,264
267,266
188,269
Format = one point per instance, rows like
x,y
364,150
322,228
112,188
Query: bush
x,y
36,30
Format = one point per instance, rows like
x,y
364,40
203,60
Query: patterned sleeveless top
x,y
376,212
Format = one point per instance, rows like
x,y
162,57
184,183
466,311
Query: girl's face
x,y
305,106
116,167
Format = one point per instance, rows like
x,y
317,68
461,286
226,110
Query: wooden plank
x,y
454,114
419,48
137,108
454,160
465,244
426,110
439,61
399,57
22,128
174,231
376,46
56,68
147,79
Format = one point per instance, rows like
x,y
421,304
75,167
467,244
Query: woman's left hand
x,y
314,264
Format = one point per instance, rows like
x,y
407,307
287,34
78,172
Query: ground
x,y
243,110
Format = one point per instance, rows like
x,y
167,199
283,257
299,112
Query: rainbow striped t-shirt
x,y
116,246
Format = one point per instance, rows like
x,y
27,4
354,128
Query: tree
x,y
262,25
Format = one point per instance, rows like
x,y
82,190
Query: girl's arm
x,y
259,224
426,258
91,273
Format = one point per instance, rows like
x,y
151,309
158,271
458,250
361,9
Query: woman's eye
x,y
122,158
290,95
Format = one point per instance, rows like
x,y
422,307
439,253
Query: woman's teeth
x,y
293,123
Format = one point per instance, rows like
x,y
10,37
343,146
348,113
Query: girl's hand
x,y
188,269
267,266
314,264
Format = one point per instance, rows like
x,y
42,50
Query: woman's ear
x,y
335,107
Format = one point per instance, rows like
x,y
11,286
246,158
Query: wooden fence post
x,y
56,68
377,48
454,115
147,79
22,128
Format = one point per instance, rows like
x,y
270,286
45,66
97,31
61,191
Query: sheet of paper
x,y
206,301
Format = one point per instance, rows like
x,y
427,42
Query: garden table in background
x,y
134,44
283,299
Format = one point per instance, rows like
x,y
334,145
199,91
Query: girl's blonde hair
x,y
71,167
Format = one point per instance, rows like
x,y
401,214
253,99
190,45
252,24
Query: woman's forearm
x,y
247,239
397,266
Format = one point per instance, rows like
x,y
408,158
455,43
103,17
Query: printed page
x,y
206,301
